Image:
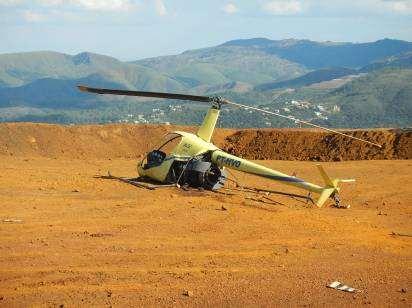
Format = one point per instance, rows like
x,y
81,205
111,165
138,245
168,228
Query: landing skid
x,y
304,198
138,182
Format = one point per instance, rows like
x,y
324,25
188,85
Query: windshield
x,y
169,143
159,153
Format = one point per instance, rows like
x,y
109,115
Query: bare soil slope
x,y
98,141
319,146
131,141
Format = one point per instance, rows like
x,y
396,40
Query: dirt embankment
x,y
131,141
319,146
83,141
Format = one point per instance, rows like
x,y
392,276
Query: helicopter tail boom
x,y
330,189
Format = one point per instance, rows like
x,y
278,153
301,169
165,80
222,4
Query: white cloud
x,y
90,5
50,2
72,10
160,8
401,7
103,5
345,8
283,7
31,16
10,2
230,8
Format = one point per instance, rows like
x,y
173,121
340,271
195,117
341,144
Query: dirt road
x,y
67,238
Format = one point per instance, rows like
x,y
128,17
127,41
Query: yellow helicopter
x,y
186,159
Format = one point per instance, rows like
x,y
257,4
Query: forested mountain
x,y
40,86
381,98
403,60
223,64
317,76
316,55
22,68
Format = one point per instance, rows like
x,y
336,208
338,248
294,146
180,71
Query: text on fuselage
x,y
228,161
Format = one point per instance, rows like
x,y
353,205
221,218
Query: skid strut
x,y
338,203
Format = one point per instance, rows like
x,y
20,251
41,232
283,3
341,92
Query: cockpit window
x,y
170,142
157,155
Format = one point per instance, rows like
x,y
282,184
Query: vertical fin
x,y
325,177
329,189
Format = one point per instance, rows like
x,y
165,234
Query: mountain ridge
x,y
247,70
316,55
22,68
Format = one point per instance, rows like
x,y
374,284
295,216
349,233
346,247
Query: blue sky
x,y
134,29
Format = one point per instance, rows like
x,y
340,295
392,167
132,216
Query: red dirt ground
x,y
69,238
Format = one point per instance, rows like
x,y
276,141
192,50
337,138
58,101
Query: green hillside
x,y
382,98
403,60
223,64
309,78
316,55
55,93
22,68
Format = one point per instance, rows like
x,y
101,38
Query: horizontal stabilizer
x,y
324,196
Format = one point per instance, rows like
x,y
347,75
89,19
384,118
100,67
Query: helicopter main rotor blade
x,y
209,99
146,94
225,101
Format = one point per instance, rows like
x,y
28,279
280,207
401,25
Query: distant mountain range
x,y
316,55
320,75
22,68
256,67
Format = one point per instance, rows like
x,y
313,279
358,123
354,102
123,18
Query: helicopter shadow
x,y
141,182
248,199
